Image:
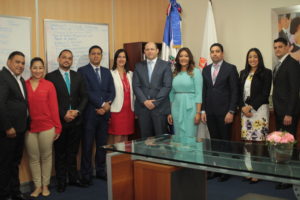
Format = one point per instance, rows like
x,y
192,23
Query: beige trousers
x,y
39,148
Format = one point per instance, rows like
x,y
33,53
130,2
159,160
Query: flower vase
x,y
281,153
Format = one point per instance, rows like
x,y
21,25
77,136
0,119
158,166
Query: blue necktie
x,y
150,69
98,74
67,80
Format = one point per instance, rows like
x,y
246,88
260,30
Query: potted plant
x,y
280,146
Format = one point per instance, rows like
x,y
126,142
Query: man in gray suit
x,y
152,81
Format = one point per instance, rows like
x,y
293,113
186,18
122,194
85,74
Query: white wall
x,y
240,24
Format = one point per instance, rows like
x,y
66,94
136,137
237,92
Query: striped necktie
x,y
215,73
98,74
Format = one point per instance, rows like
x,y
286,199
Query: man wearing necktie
x,y
152,81
286,83
101,93
13,124
72,99
220,97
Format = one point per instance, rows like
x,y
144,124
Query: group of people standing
x,y
99,105
214,95
61,109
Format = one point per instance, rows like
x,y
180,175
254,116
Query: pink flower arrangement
x,y
280,137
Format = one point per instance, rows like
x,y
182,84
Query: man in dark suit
x,y
101,92
72,99
286,85
152,82
13,124
220,97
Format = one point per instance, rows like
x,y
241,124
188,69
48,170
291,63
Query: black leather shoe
x,y
283,186
246,179
19,197
78,183
86,182
223,177
5,198
254,181
61,187
102,177
212,175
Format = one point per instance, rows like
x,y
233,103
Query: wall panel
x,y
24,8
94,11
139,20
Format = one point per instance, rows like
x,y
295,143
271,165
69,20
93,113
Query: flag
x,y
209,37
172,33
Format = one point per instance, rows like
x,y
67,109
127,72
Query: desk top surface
x,y
216,155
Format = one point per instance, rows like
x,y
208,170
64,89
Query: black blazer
x,y
77,99
286,85
223,96
260,88
13,106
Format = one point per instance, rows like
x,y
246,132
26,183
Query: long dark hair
x,y
126,67
260,67
191,65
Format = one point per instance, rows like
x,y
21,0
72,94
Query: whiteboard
x,y
15,35
77,37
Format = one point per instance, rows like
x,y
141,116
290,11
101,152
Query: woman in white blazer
x,y
122,116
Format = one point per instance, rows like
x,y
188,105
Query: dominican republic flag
x,y
172,33
209,37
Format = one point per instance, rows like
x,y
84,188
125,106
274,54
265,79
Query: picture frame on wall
x,y
286,24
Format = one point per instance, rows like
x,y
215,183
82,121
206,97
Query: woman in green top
x,y
185,97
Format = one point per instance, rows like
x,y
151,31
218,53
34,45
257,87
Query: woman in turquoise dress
x,y
185,97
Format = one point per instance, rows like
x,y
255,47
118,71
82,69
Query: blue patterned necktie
x,y
67,80
98,74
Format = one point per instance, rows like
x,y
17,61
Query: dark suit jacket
x,y
223,96
286,85
97,93
78,97
13,106
158,88
260,88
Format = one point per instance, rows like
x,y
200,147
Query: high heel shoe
x,y
45,192
36,192
254,181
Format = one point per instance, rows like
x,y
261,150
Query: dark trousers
x,y
219,130
291,128
66,149
152,123
95,128
11,151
